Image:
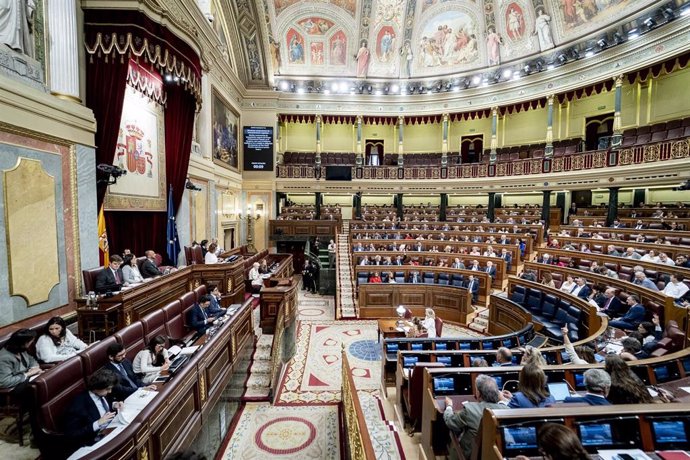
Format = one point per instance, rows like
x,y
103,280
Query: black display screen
x,y
258,148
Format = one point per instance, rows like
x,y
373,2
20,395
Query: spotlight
x,y
395,88
438,87
476,79
575,53
589,53
539,65
369,89
344,86
449,85
360,89
507,73
562,58
618,38
334,86
189,185
633,34
602,43
300,90
168,78
284,85
176,78
527,68
550,67
466,83
386,89
650,23
112,171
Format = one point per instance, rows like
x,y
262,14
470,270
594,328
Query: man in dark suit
x,y
415,278
472,285
633,317
465,422
110,278
597,384
198,318
490,269
581,289
505,255
214,308
128,382
612,306
90,412
149,269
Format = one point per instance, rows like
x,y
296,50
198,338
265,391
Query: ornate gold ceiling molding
x,y
655,46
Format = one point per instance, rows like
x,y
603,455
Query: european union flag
x,y
173,241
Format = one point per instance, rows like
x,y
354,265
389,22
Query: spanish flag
x,y
103,240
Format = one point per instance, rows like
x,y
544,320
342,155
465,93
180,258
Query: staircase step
x,y
476,327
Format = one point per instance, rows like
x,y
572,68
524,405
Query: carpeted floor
x,y
306,432
313,307
313,374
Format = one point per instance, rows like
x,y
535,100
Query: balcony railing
x,y
598,159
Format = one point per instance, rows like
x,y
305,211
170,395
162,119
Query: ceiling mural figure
x,y
425,38
448,38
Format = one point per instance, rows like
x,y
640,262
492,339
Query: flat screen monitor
x,y
391,348
670,434
499,381
444,385
565,357
417,346
598,358
666,372
338,173
487,345
442,346
596,434
410,361
579,381
522,339
445,360
258,148
519,439
464,346
559,390
508,343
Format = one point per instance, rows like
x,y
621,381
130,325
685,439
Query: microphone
x,y
507,382
572,390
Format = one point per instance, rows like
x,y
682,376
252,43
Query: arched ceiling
x,y
393,39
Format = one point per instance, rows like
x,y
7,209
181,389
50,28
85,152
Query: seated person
x,y
632,347
465,422
626,386
558,442
504,357
472,285
128,381
211,257
597,384
198,318
151,361
149,269
255,277
532,390
17,366
57,343
634,316
651,333
130,270
215,309
429,323
90,412
375,278
111,278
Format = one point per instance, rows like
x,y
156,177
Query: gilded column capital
x,y
618,79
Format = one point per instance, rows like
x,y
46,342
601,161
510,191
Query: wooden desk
x,y
127,306
281,293
388,328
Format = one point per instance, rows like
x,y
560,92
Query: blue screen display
x,y
444,385
410,361
508,343
391,347
668,432
464,346
686,365
662,374
565,357
416,346
445,360
499,381
442,346
596,434
579,381
519,438
487,345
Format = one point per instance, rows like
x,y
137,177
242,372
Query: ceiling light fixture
x,y
476,79
395,88
562,58
283,85
507,73
650,23
602,43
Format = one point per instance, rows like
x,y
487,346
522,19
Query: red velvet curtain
x,y
140,231
105,91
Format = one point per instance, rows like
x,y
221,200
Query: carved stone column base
x,y
22,68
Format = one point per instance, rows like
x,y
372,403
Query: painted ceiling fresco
x,y
419,38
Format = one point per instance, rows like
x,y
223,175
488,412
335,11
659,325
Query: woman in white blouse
x,y
211,257
151,361
429,323
130,270
568,284
57,343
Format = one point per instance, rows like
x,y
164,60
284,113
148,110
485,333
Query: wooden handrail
x,y
358,442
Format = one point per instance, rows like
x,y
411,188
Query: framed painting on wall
x,y
225,134
140,152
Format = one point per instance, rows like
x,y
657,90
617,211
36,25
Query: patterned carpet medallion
x,y
313,375
309,432
315,307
